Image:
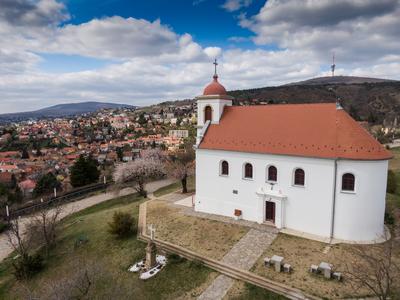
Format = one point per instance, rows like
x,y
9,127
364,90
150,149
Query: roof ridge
x,y
287,104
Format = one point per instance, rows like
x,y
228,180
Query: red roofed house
x,y
307,169
27,186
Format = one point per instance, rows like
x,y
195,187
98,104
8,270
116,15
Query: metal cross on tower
x,y
215,67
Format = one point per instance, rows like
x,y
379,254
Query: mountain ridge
x,y
339,80
62,110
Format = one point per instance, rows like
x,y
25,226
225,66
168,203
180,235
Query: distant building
x,y
27,187
178,133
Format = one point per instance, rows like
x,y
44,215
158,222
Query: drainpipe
x,y
333,201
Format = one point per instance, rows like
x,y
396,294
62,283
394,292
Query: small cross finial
x,y
215,67
152,231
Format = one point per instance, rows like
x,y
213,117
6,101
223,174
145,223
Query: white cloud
x,y
151,62
234,5
114,37
358,31
140,82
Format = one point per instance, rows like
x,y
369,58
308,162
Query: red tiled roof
x,y
5,177
27,184
311,130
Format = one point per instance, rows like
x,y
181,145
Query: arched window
x,y
224,168
272,173
248,171
299,177
348,182
207,113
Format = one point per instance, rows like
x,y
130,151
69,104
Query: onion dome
x,y
214,88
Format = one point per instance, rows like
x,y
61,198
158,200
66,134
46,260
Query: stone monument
x,y
151,251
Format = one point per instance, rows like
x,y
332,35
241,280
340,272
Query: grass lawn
x,y
106,260
301,253
245,291
207,237
394,164
176,186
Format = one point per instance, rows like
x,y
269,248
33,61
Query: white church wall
x,y
217,106
359,215
306,208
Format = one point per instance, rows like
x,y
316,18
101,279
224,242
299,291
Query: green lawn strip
x,y
175,187
168,189
111,256
393,201
112,203
255,293
394,163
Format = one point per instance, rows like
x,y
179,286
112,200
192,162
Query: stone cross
x,y
152,231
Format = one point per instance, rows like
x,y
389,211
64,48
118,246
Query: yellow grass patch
x,y
207,237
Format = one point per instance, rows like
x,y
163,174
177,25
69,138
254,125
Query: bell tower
x,y
210,105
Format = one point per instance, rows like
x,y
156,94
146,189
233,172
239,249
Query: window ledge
x,y
223,175
347,192
298,185
247,178
272,181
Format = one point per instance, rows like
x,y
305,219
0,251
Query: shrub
x,y
3,226
175,258
81,240
26,267
391,182
196,264
122,225
389,219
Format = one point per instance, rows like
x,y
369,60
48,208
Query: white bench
x,y
287,268
314,269
277,261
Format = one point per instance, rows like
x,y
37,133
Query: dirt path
x,y
69,208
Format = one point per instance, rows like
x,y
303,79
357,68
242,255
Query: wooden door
x,y
270,211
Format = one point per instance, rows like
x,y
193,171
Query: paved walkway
x,y
71,207
243,255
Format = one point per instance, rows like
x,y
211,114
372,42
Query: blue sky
x,y
209,24
206,20
144,52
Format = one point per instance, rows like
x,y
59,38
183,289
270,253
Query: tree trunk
x,y
140,189
184,185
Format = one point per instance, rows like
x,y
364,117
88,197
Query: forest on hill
x,y
375,102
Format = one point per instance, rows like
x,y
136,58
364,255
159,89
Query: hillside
x,y
366,99
62,110
340,80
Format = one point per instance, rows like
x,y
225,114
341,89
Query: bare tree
x,y
44,226
77,284
16,238
375,268
181,165
139,172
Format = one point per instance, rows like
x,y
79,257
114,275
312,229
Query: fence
x,y
67,197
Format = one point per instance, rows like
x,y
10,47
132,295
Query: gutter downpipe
x,y
333,201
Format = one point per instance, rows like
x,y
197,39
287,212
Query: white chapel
x,y
307,169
